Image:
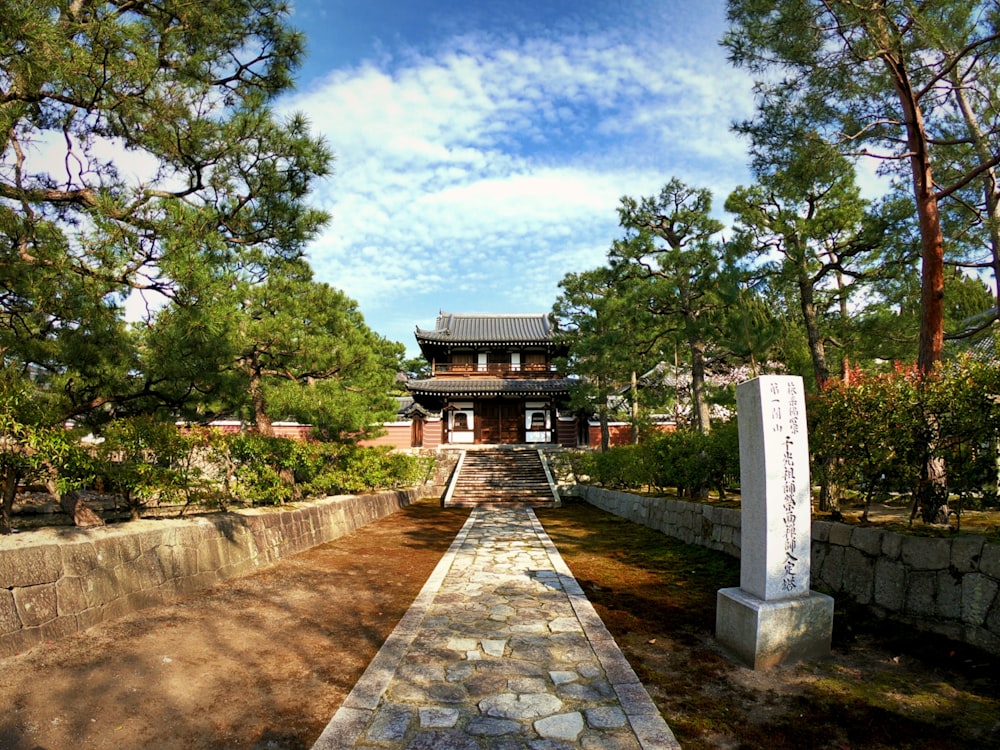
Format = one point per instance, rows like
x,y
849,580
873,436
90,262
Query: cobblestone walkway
x,y
500,650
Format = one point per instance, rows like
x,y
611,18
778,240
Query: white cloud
x,y
481,175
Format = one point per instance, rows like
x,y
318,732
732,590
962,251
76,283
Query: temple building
x,y
493,380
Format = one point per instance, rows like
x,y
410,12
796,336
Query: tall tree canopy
x,y
805,227
882,78
669,241
139,151
602,315
287,348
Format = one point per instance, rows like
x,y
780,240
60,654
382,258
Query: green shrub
x,y
723,470
877,434
693,463
687,461
263,468
353,469
620,467
251,468
573,466
140,458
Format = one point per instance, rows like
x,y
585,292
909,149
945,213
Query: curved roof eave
x,y
489,387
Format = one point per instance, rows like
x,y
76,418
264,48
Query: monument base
x,y
766,634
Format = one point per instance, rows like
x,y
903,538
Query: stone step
x,y
501,478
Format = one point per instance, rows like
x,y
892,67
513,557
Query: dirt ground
x,y
260,662
264,661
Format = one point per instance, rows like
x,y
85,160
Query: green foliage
x,y
270,470
416,368
573,466
810,237
723,451
265,466
910,86
694,463
669,292
178,179
686,460
32,449
289,348
876,433
620,467
600,315
141,459
196,469
355,469
670,245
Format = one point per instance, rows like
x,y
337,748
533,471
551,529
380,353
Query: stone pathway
x,y
500,650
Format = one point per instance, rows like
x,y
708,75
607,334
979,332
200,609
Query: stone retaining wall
x,y
58,581
946,585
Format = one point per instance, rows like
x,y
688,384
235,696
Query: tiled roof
x,y
488,387
413,408
464,328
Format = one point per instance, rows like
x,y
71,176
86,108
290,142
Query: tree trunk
x,y
829,493
996,466
991,190
932,490
929,220
935,480
699,404
605,430
635,408
677,387
261,420
602,413
931,282
807,303
9,488
134,506
845,314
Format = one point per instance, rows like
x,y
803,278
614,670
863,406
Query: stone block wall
x,y
694,523
58,581
945,585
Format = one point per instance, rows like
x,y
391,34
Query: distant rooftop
x,y
488,387
466,328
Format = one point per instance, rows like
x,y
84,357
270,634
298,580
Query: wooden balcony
x,y
493,370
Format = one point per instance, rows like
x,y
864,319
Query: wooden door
x,y
498,422
510,423
487,422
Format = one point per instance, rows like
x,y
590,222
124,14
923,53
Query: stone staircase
x,y
501,477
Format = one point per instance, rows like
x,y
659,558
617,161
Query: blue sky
x,y
482,146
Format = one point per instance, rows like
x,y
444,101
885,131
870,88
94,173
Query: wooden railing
x,y
494,370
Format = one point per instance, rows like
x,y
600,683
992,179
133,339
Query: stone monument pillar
x,y
773,618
